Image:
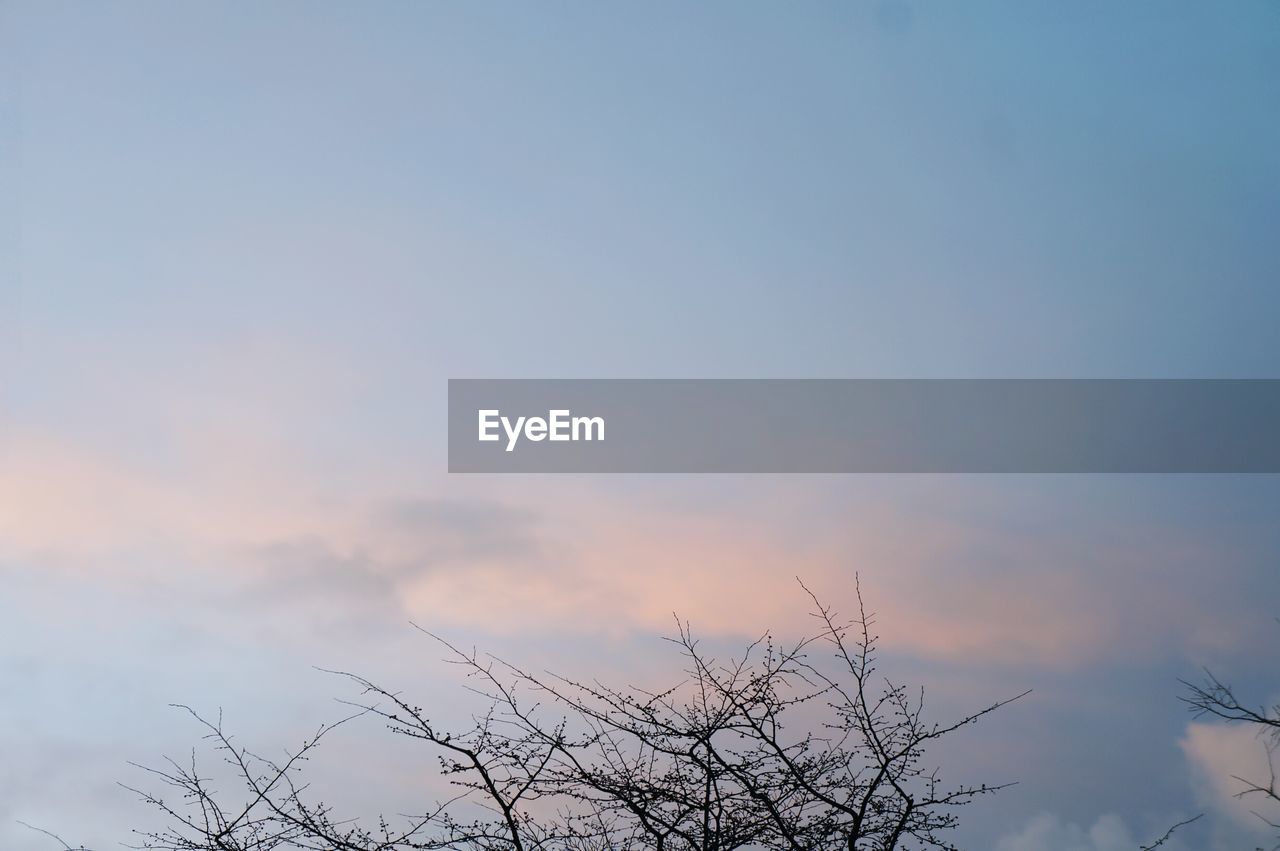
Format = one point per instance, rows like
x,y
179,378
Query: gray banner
x,y
864,426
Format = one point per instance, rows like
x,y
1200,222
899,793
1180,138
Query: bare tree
x,y
1212,698
788,747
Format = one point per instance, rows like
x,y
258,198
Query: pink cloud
x,y
576,556
1222,758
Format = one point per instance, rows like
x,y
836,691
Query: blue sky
x,y
243,249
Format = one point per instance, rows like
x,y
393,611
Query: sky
x,y
243,247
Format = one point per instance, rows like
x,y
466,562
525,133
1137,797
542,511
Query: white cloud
x,y
1220,755
1048,832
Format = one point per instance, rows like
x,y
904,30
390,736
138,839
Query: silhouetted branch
x,y
801,746
1213,698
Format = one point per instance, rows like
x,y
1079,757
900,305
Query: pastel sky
x,y
242,247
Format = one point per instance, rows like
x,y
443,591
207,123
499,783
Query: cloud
x,y
1048,832
272,531
1223,757
220,481
627,569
